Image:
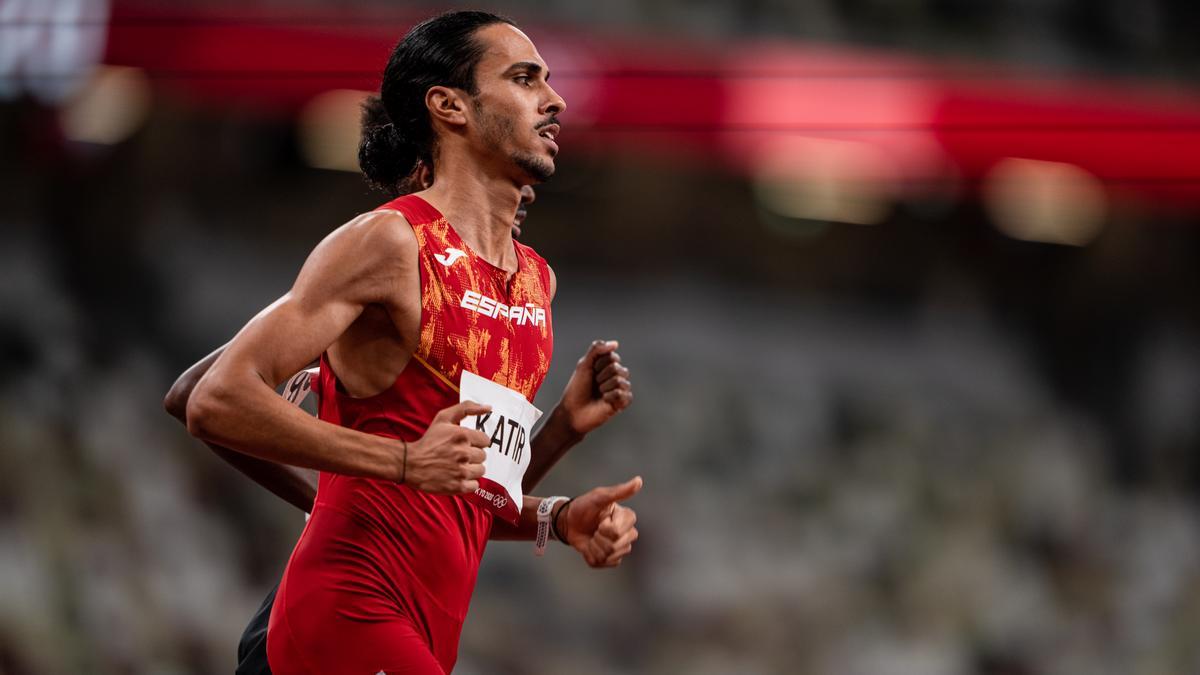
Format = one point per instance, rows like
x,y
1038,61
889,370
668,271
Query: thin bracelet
x,y
404,465
554,521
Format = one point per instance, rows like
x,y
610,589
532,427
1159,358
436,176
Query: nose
x,y
554,104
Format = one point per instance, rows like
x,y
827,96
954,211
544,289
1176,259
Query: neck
x,y
481,208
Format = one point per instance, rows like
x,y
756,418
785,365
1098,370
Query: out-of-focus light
x,y
824,180
48,47
1049,202
109,108
330,127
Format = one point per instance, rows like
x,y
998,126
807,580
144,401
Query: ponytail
x,y
384,155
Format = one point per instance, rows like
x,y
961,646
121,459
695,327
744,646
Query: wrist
x,y
558,521
547,510
563,422
404,462
395,459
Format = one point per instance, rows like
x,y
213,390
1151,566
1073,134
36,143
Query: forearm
x,y
292,484
248,417
177,398
551,442
526,527
597,390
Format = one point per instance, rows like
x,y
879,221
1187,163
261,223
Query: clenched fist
x,y
448,459
598,389
598,526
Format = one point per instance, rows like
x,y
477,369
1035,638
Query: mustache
x,y
553,119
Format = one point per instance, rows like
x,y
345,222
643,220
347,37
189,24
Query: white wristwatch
x,y
545,514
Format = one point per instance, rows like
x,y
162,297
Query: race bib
x,y
510,426
298,386
296,390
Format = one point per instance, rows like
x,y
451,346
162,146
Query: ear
x,y
446,105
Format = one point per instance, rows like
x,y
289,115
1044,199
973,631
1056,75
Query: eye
x,y
523,80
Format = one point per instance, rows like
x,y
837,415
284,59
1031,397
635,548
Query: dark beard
x,y
537,168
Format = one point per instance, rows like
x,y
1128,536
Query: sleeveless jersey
x,y
388,549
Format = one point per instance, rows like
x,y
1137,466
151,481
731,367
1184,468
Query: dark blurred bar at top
x,y
742,105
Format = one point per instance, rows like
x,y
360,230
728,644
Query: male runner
x,y
298,486
399,305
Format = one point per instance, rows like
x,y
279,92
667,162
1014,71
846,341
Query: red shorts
x,y
390,647
334,616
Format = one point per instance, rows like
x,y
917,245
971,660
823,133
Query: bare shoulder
x,y
367,256
376,233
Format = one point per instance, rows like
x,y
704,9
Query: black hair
x,y
396,130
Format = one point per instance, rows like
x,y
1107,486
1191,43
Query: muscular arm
x,y
598,389
551,442
565,427
297,486
234,404
370,261
555,437
294,485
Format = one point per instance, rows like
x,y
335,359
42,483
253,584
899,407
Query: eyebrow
x,y
528,66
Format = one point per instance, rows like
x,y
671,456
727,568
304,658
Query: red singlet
x,y
382,575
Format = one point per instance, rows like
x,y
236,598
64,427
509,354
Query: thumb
x,y
597,349
455,413
619,493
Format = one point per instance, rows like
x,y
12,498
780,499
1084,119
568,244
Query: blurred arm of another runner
x,y
598,390
293,485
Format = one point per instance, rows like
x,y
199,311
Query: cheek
x,y
503,117
504,127
501,111
494,127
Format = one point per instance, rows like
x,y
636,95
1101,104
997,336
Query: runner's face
x,y
516,108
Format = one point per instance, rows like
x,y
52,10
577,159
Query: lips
x,y
548,134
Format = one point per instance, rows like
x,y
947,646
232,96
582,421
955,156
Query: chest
x,y
478,318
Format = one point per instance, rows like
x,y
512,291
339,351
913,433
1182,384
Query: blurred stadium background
x,y
908,290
